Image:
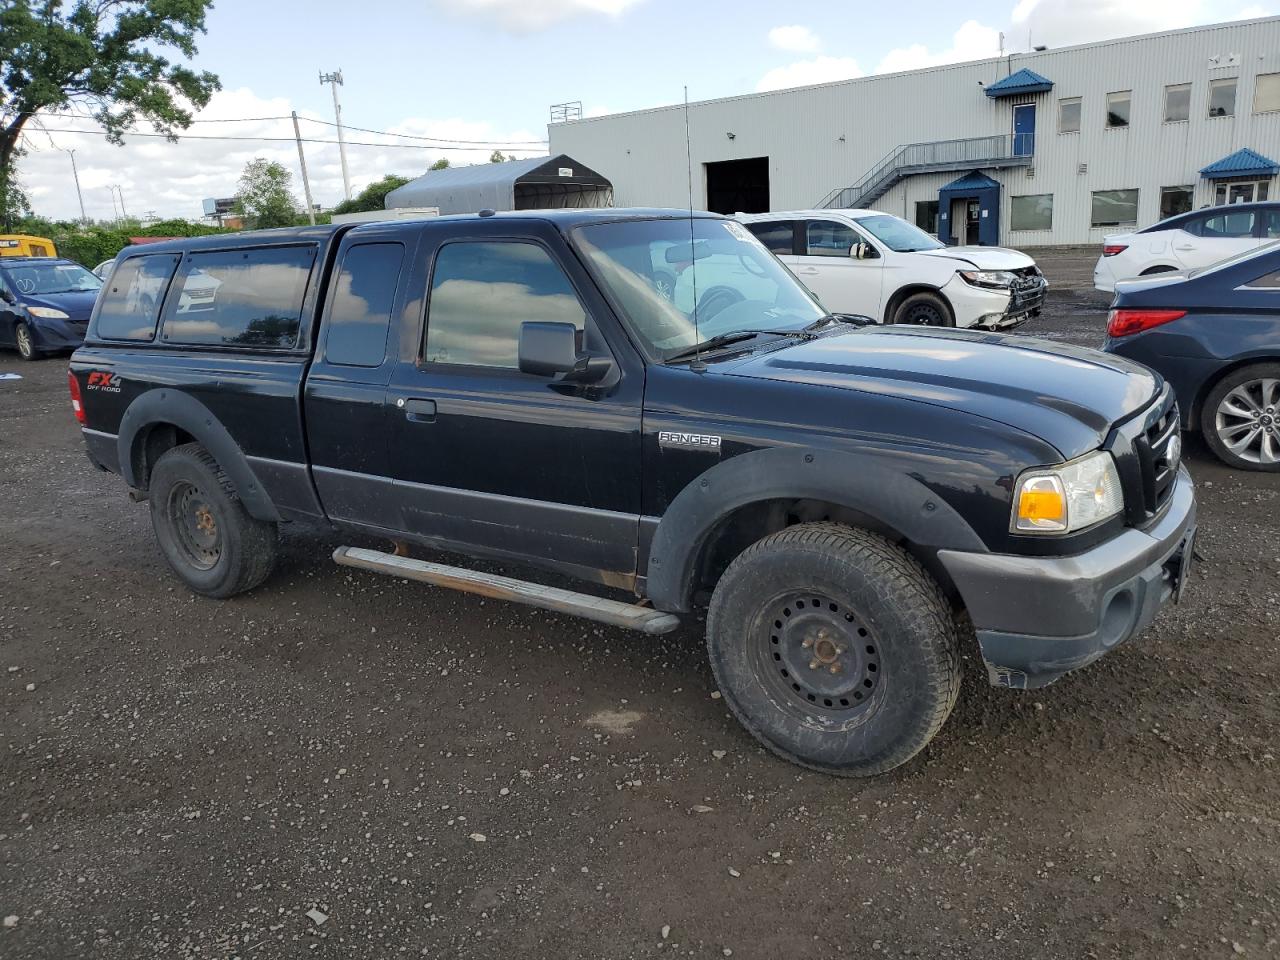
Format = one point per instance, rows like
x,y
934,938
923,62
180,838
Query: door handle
x,y
807,271
419,411
1185,246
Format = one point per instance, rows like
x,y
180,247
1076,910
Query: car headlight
x,y
1067,498
49,313
991,279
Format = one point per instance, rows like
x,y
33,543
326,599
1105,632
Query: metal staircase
x,y
938,156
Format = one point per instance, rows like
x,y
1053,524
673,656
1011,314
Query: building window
x,y
1266,94
1114,208
927,216
1069,115
1032,212
1118,108
1222,97
1241,191
1177,102
1175,200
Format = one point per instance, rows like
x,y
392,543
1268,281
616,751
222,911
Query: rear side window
x,y
1238,223
240,298
481,291
363,298
132,298
779,236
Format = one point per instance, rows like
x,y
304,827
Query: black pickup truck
x,y
843,499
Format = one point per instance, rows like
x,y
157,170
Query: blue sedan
x,y
1214,334
45,304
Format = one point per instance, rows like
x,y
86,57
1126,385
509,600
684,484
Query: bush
x,y
93,244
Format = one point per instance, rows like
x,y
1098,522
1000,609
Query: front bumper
x,y
48,334
1040,617
989,309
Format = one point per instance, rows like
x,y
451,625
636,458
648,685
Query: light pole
x,y
75,173
335,79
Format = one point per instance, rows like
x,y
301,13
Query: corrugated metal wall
x,y
821,138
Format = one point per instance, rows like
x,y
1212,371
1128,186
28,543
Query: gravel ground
x,y
343,765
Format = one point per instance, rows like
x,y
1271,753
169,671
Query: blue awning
x,y
1242,163
974,180
1024,81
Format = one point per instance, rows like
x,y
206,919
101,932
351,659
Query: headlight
x,y
991,279
1067,498
47,312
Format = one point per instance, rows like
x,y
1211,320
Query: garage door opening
x,y
738,186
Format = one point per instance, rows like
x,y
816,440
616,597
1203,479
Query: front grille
x,y
1147,448
1163,448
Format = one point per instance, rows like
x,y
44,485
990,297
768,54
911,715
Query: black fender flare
x,y
885,492
166,405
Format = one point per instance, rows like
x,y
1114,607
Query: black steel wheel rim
x,y
924,315
818,656
192,519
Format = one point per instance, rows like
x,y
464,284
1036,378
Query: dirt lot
x,y
448,777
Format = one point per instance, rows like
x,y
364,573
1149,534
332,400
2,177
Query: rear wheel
x,y
1241,418
834,648
923,310
203,529
26,344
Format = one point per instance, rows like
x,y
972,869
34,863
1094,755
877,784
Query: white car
x,y
1186,242
881,266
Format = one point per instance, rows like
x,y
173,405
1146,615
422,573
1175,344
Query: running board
x,y
628,615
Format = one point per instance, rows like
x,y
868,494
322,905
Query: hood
x,y
77,304
1067,396
984,258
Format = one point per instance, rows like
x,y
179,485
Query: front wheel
x,y
834,648
209,538
1241,418
26,342
923,310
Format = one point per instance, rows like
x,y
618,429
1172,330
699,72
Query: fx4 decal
x,y
104,382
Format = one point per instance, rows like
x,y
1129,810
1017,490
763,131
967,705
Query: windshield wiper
x,y
735,336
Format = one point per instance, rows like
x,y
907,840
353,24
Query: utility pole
x,y
120,190
335,80
302,161
115,211
75,173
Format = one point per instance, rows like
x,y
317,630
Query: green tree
x,y
497,157
265,195
441,164
110,58
372,197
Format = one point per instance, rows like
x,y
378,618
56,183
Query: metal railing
x,y
922,157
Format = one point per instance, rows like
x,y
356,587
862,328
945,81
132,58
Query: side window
x,y
1271,224
131,301
1269,282
363,296
240,298
1226,224
826,238
778,236
482,291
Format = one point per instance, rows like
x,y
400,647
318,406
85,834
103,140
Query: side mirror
x,y
550,349
861,251
8,297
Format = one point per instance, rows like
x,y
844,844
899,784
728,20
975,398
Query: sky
x,y
475,74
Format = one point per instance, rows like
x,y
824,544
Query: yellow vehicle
x,y
24,245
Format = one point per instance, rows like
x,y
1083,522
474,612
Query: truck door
x,y
496,460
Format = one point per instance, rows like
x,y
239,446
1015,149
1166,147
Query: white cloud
x,y
795,39
1254,11
524,16
821,69
973,41
171,179
1060,23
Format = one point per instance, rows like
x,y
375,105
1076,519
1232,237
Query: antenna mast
x,y
693,259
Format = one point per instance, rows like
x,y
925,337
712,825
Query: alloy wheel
x,y
1247,421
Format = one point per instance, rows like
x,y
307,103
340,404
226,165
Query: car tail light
x,y
77,405
1111,249
1124,323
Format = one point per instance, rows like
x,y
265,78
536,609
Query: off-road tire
x,y
923,310
1209,417
245,546
902,623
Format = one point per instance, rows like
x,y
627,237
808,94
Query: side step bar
x,y
629,615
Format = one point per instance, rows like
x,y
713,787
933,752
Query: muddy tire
x,y
1241,418
923,310
204,531
834,648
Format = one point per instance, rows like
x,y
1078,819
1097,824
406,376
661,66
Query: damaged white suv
x,y
881,266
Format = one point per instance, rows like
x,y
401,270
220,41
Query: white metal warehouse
x,y
1053,146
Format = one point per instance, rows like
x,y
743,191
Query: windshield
x,y
898,235
38,279
657,271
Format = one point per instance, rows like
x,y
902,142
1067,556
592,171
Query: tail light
x,y
77,405
1111,249
1124,323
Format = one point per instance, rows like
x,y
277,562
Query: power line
x,y
204,136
